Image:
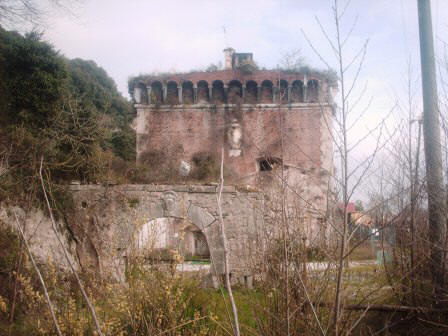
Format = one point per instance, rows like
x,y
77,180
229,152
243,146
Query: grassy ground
x,y
366,251
199,259
245,300
166,302
362,281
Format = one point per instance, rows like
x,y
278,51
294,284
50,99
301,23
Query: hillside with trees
x,y
66,112
335,225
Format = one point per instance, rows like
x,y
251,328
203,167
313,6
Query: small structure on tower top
x,y
232,59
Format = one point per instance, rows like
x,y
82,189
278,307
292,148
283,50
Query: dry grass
x,y
366,251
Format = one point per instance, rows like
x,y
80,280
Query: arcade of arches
x,y
217,92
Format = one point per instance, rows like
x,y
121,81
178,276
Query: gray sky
x,y
138,36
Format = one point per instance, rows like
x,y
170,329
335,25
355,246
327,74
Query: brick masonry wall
x,y
204,129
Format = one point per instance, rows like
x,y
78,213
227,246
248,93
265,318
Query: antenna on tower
x,y
225,36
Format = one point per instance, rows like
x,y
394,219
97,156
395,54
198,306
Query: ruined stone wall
x,y
108,219
38,231
102,231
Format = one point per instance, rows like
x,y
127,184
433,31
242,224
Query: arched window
x,y
268,163
219,96
172,97
187,93
283,91
140,94
251,92
312,91
235,92
156,92
203,92
297,92
266,92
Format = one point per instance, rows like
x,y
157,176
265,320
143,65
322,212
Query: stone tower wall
x,y
257,117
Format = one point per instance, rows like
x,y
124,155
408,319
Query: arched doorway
x,y
267,92
194,243
235,92
203,92
187,93
313,91
251,92
297,92
162,236
172,96
219,96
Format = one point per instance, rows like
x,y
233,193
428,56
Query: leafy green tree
x,y
33,77
67,111
98,95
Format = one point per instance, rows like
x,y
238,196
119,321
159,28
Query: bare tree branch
x,y
81,287
41,279
224,241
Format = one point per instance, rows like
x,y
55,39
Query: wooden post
x,y
433,157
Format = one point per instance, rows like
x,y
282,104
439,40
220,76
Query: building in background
x,y
271,124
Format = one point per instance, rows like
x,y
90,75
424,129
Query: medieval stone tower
x,y
264,119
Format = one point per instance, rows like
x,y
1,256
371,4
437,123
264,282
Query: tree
x,y
68,111
33,79
292,61
16,13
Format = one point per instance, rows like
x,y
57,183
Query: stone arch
x,y
187,92
123,210
250,96
199,223
235,92
267,93
283,91
297,92
218,93
172,96
195,242
156,92
140,94
312,91
202,92
171,233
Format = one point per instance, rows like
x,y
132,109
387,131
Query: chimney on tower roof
x,y
228,58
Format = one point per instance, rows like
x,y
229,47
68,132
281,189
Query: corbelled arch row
x,y
188,92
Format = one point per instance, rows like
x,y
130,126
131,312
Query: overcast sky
x,y
138,36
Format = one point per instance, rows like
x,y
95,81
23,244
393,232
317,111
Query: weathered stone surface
x,y
200,217
108,220
40,235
